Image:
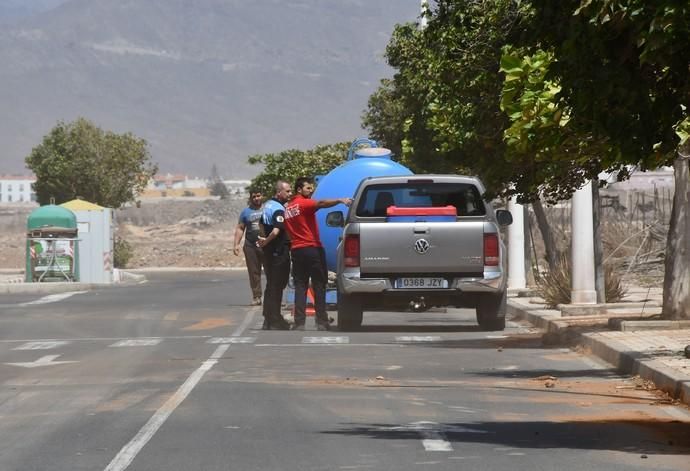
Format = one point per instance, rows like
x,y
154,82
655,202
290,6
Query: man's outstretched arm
x,y
329,203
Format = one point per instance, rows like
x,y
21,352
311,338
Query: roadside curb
x,y
120,278
16,284
637,363
560,328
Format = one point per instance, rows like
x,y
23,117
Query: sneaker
x,y
322,327
265,326
297,327
256,302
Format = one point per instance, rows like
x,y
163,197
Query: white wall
x,y
16,189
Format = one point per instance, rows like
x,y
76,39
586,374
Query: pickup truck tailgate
x,y
422,247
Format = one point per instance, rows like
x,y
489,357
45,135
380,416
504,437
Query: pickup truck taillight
x,y
351,250
491,250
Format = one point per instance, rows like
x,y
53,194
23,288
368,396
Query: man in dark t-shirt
x,y
276,247
308,256
249,226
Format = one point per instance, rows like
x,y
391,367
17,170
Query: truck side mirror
x,y
335,219
504,217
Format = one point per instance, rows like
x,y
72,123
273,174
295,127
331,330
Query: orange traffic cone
x,y
310,302
310,311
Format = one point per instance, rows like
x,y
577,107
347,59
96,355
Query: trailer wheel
x,y
350,312
491,312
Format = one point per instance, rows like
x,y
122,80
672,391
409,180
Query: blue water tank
x,y
342,181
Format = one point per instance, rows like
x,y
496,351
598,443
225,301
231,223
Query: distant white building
x,y
175,182
237,187
17,189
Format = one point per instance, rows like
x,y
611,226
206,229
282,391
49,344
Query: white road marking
x,y
393,367
216,340
508,368
280,345
96,339
47,360
41,345
466,410
127,454
326,340
52,298
418,338
247,320
432,435
136,343
496,336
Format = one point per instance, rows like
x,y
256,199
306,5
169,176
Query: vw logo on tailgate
x,y
422,246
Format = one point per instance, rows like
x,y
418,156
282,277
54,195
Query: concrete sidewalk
x,y
628,335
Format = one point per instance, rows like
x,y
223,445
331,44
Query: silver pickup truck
x,y
420,241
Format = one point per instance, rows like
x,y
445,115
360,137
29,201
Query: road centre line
x,y
247,320
126,455
326,340
136,343
95,339
397,345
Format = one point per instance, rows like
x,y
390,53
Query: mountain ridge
x,y
205,82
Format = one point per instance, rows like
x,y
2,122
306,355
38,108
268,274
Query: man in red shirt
x,y
308,256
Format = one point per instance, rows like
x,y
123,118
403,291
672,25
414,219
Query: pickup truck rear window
x,y
464,196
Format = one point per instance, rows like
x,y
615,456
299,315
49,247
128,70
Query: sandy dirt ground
x,y
162,233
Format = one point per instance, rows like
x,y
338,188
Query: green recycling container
x,y
51,245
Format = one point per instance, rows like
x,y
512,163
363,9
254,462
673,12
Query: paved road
x,y
175,375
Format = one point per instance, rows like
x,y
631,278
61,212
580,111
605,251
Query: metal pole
x,y
582,253
516,246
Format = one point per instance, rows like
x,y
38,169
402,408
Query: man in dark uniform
x,y
276,246
308,256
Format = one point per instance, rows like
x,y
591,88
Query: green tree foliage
x,y
623,70
79,159
448,86
122,253
556,153
290,164
385,117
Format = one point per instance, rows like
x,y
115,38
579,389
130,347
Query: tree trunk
x,y
677,269
545,230
599,281
529,243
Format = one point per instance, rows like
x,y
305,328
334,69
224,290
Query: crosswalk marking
x,y
217,340
136,343
326,340
418,338
41,345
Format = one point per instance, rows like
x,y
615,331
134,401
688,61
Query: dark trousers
x,y
309,263
277,269
254,257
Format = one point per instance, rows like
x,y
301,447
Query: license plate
x,y
421,283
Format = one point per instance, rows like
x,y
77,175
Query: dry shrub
x,y
555,287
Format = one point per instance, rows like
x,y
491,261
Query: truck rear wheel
x,y
491,312
350,312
